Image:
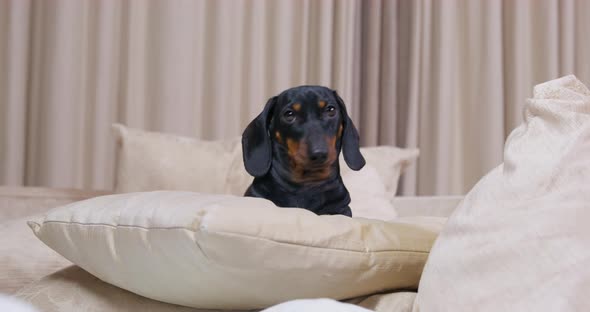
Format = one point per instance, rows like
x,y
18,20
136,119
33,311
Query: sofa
x,y
28,266
149,162
516,242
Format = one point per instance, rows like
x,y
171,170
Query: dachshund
x,y
292,150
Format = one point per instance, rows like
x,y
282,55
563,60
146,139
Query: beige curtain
x,y
449,77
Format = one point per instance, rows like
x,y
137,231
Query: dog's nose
x,y
318,155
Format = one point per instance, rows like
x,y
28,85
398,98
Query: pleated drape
x,y
449,77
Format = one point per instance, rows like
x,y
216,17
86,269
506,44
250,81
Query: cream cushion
x,y
385,163
150,161
519,241
402,301
368,196
224,251
371,189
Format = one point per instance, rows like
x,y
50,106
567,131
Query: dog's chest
x,y
323,198
312,201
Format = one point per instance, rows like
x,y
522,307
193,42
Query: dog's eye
x,y
289,116
331,110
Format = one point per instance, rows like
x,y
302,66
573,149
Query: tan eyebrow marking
x,y
297,107
278,136
322,104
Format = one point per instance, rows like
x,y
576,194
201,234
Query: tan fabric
x,y
434,206
389,163
150,161
386,163
392,302
22,265
447,78
371,188
519,241
73,290
23,258
222,251
368,196
18,202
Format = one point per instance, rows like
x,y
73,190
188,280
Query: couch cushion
x,y
150,161
519,240
223,251
73,289
388,162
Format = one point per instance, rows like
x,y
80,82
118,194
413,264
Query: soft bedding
x,y
216,167
516,243
73,289
519,241
149,161
228,252
23,258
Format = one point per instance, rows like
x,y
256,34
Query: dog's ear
x,y
350,139
256,145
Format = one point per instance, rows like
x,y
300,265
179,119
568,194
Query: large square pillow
x,y
229,252
149,161
384,166
371,189
520,239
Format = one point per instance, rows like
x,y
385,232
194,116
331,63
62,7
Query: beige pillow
x,y
148,161
369,196
519,241
388,162
223,251
371,189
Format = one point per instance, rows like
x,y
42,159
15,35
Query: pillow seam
x,y
233,234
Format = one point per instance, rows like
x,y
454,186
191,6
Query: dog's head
x,y
307,124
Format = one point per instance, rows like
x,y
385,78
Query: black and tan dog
x,y
292,150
